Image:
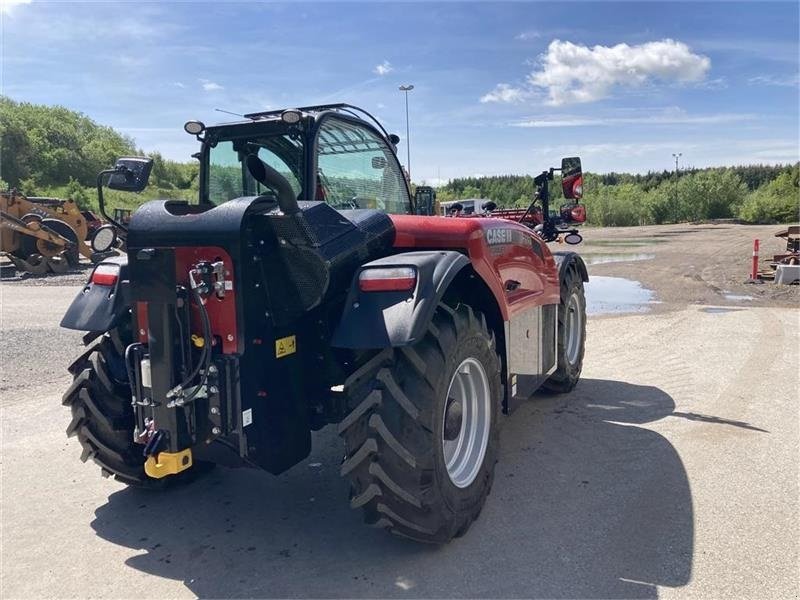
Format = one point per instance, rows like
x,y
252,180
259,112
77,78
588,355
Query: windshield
x,y
228,177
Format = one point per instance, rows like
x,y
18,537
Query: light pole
x,y
675,208
406,89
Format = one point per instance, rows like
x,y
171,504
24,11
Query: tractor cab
x,y
328,153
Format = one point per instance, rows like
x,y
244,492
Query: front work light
x,y
194,127
291,116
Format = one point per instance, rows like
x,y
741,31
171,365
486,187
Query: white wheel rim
x,y
574,328
465,449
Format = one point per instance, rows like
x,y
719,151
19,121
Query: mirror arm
x,y
101,201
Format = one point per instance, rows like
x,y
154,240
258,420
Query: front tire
x,y
420,445
571,335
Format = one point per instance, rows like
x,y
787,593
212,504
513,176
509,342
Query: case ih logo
x,y
505,235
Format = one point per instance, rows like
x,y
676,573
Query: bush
x,y
775,202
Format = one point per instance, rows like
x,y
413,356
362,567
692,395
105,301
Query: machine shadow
x,y
586,503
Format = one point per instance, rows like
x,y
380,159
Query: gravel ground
x,y
671,470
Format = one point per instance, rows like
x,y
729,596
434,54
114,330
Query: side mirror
x,y
572,178
131,174
573,238
394,139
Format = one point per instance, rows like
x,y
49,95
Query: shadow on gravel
x,y
585,504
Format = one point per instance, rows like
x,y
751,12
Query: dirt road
x,y
671,471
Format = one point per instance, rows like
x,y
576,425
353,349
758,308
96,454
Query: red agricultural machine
x,y
537,216
302,290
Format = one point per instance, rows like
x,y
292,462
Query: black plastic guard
x,y
100,307
387,319
565,259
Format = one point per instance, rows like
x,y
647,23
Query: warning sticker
x,y
285,346
247,417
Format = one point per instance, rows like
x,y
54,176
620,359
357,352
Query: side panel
x,y
532,349
513,261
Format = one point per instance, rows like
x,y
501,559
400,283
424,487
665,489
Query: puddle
x,y
602,259
616,295
623,243
718,310
736,297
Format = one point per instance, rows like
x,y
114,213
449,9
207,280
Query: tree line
x,y
753,194
54,151
57,152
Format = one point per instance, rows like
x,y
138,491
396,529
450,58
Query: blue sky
x,y
499,87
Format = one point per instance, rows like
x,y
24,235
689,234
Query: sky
x,y
499,88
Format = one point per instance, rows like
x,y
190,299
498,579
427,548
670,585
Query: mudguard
x,y
565,259
374,320
100,307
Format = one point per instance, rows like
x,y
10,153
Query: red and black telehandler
x,y
301,290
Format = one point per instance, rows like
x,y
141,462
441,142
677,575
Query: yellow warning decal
x,y
285,346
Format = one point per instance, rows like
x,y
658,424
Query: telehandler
x,y
278,304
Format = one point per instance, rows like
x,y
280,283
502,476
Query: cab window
x,y
357,169
228,177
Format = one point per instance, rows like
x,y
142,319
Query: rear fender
x,y
100,307
388,319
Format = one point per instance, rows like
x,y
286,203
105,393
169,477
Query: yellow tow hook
x,y
168,463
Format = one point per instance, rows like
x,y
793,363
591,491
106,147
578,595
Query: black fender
x,y
566,259
372,320
100,307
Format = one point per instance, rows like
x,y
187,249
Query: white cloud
x,y
669,117
179,84
504,92
383,69
790,81
210,86
6,6
573,73
528,35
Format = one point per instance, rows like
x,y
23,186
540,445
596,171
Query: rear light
x,y
577,188
105,275
387,279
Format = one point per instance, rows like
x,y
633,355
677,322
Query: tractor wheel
x,y
571,335
27,244
102,415
421,442
65,230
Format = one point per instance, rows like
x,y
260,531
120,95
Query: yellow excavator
x,y
42,234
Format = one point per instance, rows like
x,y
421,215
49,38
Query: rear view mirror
x,y
131,174
572,178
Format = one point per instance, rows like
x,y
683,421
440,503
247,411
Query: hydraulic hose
x,y
205,355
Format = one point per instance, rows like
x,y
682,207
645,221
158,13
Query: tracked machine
x,y
303,290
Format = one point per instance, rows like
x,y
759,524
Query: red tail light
x,y
105,275
578,213
387,279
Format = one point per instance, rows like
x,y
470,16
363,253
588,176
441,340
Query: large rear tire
x,y
571,335
421,440
102,415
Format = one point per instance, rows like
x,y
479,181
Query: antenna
x,y
229,112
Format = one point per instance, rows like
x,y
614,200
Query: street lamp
x,y
406,89
675,209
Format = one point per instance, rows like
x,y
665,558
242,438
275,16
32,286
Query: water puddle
x,y
602,259
616,295
736,297
625,242
719,310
